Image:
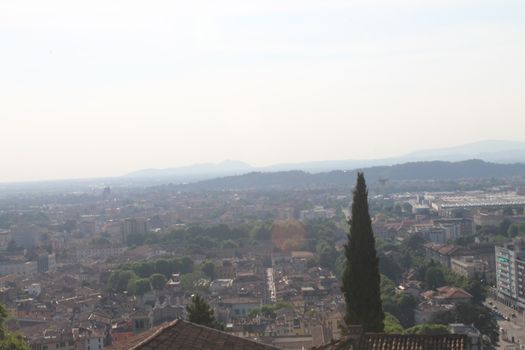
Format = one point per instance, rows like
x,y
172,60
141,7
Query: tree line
x,y
140,277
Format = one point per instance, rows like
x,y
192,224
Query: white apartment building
x,y
509,280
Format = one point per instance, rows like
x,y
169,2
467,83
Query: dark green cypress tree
x,y
200,312
361,279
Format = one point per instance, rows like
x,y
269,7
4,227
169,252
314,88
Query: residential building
x,y
483,218
447,295
469,267
88,225
46,262
18,267
443,253
465,225
99,253
507,256
485,252
241,307
133,226
474,335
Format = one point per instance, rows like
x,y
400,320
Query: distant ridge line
x,y
431,170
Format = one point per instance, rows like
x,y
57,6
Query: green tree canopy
x,y
401,306
195,281
9,340
208,268
327,254
139,286
164,267
200,312
428,329
158,281
392,324
469,313
434,278
144,268
119,280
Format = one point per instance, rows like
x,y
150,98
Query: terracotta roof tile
x,y
382,341
183,335
413,342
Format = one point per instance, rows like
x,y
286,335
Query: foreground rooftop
x,y
184,335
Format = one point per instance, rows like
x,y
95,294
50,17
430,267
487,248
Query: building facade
x,y
508,257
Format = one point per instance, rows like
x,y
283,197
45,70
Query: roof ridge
x,y
181,321
223,332
413,334
154,334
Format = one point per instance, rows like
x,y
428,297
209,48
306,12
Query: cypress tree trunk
x,y
361,279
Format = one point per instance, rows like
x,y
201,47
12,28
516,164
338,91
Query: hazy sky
x,y
104,87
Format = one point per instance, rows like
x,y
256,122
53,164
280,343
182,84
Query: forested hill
x,y
435,170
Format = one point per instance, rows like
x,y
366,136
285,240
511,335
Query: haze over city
x,y
262,174
105,88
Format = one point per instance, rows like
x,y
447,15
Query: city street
x,y
509,330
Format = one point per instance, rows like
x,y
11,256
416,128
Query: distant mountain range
x,y
485,159
502,152
227,167
434,170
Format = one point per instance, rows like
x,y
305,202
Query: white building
x,y
317,212
507,283
34,289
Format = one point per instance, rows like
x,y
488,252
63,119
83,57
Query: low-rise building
x,y
469,267
447,295
18,267
103,253
316,213
241,307
443,253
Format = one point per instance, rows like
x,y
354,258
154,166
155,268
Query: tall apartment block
x,y
510,273
133,226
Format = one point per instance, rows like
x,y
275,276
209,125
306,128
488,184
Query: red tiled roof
x,y
183,335
383,341
413,342
448,292
130,342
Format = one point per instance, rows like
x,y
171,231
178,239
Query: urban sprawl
x,y
96,268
